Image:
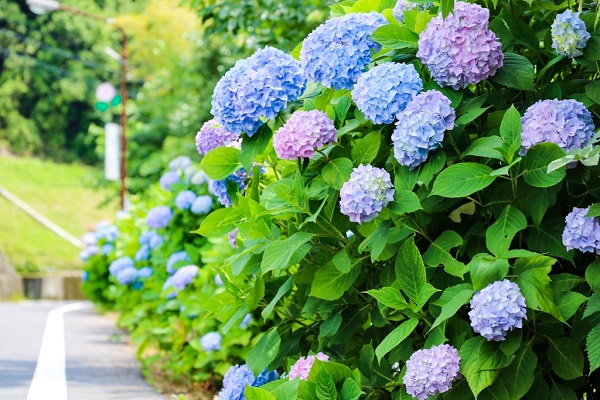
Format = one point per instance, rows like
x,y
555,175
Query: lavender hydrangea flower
x,y
168,179
88,239
235,381
403,5
366,193
265,377
246,321
431,371
460,49
184,276
180,256
109,233
497,309
581,232
338,51
184,199
218,280
202,205
569,35
421,126
106,249
126,275
159,217
303,133
88,252
211,136
564,122
143,253
257,87
198,178
152,239
232,237
385,90
120,264
180,163
144,272
302,367
219,188
211,341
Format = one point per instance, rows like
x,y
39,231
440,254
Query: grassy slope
x,y
59,193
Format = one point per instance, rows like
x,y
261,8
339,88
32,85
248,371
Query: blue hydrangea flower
x,y
202,205
126,275
109,233
169,289
168,179
403,5
184,199
143,253
232,237
564,122
421,126
180,256
581,232
303,133
89,251
338,51
159,217
385,90
497,309
180,163
265,377
88,239
144,272
211,341
256,88
152,239
212,135
460,49
366,193
569,35
218,280
184,276
431,371
106,249
235,382
198,178
120,264
219,188
246,321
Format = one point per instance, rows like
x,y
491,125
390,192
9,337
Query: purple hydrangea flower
x,y
265,377
211,341
497,309
564,122
385,90
235,382
184,276
581,232
144,272
259,86
569,35
180,256
403,5
460,49
159,217
168,179
202,205
431,371
106,249
180,163
303,133
366,193
211,136
143,253
219,188
232,237
218,280
184,199
421,126
302,367
337,52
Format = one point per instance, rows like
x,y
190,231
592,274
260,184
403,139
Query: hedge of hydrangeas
x,y
412,204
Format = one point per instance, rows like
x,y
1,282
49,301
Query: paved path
x,y
99,364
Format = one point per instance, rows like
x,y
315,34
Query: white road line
x,y
50,378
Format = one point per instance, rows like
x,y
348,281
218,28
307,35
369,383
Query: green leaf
x,y
278,254
261,355
450,308
219,222
500,234
516,72
331,284
534,282
592,90
461,180
389,297
395,337
342,262
341,110
447,7
537,201
365,363
566,358
510,132
424,295
485,269
593,348
395,37
434,164
365,150
221,162
562,392
410,270
485,147
518,377
254,145
438,254
283,289
325,389
592,275
547,238
593,305
351,390
535,165
255,393
336,172
405,201
480,363
330,326
377,240
591,51
569,303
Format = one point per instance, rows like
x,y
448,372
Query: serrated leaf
x,y
485,147
461,180
325,389
566,358
593,305
593,348
365,363
425,294
221,162
592,275
518,377
336,172
279,254
470,116
480,363
331,284
562,392
410,270
438,254
569,302
283,289
254,145
450,308
395,37
389,297
547,238
395,337
265,350
405,201
365,150
510,132
534,282
485,269
535,165
592,90
500,234
517,72
255,393
351,390
220,222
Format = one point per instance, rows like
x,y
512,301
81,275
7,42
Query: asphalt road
x,y
98,362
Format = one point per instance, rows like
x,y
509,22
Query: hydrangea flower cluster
x,y
497,309
88,252
201,205
366,193
564,122
581,232
385,90
302,367
159,217
265,377
152,239
106,231
180,163
180,256
184,276
421,126
569,35
235,381
219,188
211,136
431,371
123,269
168,179
303,133
460,49
403,5
232,237
168,287
211,341
338,51
185,199
143,253
107,248
259,86
144,272
88,239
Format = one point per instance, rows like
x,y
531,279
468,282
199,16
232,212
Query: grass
x,y
63,193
